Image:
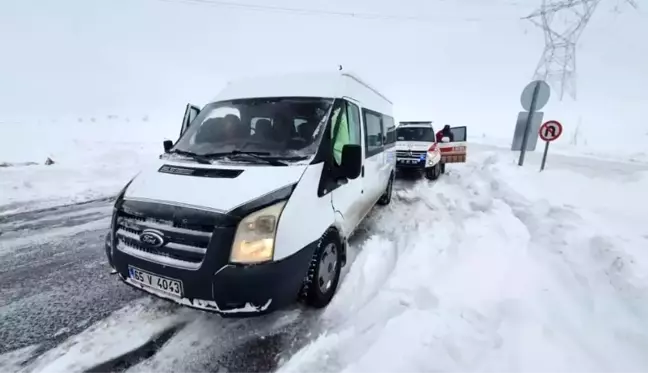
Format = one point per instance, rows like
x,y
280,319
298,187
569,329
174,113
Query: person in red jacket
x,y
445,132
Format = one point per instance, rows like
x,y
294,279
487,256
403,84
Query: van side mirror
x,y
445,139
351,161
168,144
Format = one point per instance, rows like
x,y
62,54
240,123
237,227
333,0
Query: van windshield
x,y
281,127
415,134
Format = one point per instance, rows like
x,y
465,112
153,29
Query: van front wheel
x,y
432,173
324,272
385,199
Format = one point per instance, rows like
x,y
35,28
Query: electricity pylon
x,y
562,22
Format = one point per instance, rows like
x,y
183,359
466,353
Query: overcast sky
x,y
465,63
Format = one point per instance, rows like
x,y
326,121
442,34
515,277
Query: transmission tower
x,y
562,22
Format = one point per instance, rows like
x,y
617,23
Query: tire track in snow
x,y
377,254
564,230
593,277
123,332
393,235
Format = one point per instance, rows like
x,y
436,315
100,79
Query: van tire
x,y
327,257
443,167
387,196
432,173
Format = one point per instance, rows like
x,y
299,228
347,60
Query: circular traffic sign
x,y
543,95
551,130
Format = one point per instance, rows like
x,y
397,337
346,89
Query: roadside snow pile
x,y
496,268
90,160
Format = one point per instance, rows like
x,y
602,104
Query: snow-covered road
x,y
491,268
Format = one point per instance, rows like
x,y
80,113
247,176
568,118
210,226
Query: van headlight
x,y
255,236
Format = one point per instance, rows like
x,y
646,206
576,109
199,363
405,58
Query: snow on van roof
x,y
307,84
415,124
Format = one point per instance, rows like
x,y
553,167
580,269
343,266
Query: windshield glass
x,y
273,127
415,134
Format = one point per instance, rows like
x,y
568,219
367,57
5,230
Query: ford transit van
x,y
251,208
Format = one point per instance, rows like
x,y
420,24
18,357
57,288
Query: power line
x,y
305,11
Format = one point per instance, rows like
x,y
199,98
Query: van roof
x,y
311,84
416,124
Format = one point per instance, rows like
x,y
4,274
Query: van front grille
x,y
410,154
183,245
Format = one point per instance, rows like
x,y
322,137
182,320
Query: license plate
x,y
164,284
408,161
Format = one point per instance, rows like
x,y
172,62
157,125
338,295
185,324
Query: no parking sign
x,y
549,131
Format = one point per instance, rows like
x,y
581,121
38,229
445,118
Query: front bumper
x,y
212,284
410,164
233,290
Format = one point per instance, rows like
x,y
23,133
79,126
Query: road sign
x,y
520,125
550,130
534,97
542,97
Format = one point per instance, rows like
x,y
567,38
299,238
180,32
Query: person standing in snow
x,y
445,132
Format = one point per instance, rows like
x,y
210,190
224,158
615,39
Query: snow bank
x,y
13,360
496,268
92,159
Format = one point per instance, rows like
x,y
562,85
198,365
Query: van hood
x,y
413,145
209,186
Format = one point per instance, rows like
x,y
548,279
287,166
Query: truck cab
x,y
251,208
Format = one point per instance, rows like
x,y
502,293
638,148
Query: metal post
x,y
527,128
544,156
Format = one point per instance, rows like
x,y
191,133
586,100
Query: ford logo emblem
x,y
152,238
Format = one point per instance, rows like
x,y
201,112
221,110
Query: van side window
x,y
373,133
345,128
339,132
390,130
353,113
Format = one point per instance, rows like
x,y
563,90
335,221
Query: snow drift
x,y
496,268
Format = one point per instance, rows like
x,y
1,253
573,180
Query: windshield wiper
x,y
292,158
261,156
197,157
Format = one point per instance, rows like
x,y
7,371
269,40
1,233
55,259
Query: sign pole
x,y
549,132
527,127
544,156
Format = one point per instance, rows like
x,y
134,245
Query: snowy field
x,y
492,268
94,158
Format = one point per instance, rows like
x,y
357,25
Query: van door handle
x,y
362,171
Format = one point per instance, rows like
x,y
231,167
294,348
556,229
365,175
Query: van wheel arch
x,y
309,295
